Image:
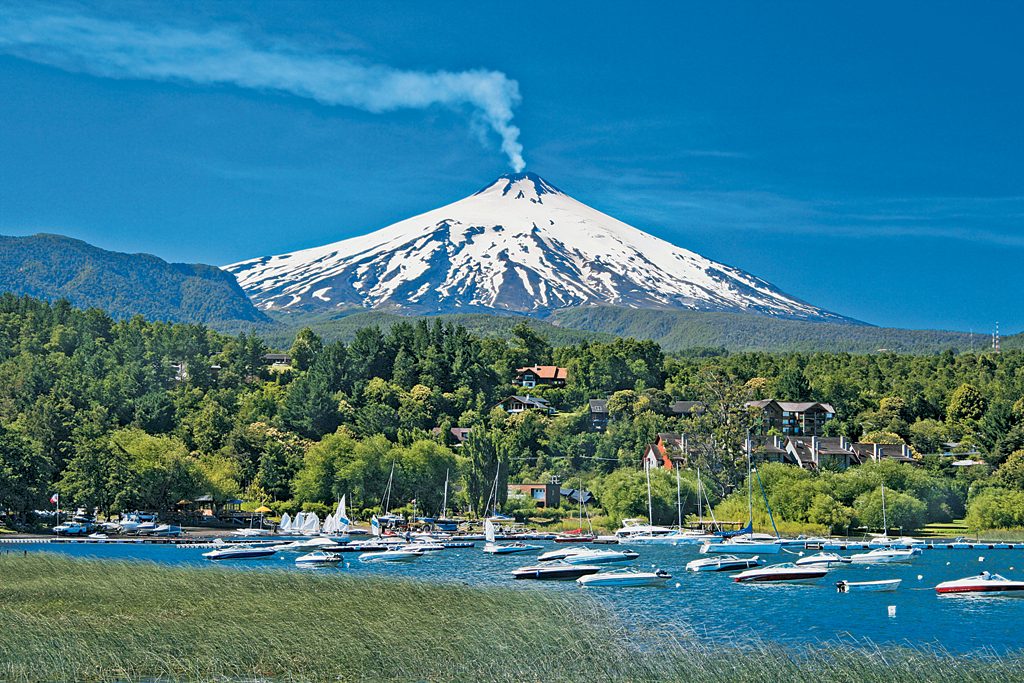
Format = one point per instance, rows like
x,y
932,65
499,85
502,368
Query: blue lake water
x,y
710,603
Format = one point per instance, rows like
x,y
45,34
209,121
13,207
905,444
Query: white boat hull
x,y
391,556
737,548
881,555
623,579
983,584
868,586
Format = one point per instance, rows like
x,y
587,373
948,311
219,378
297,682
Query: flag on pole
x,y
54,498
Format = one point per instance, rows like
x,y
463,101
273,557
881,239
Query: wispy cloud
x,y
666,199
223,56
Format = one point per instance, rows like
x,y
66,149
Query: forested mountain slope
x,y
123,285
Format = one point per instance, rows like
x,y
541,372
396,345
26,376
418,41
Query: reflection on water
x,y
709,603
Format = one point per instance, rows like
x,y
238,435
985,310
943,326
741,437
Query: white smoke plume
x,y
123,50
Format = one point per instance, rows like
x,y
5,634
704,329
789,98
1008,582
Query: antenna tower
x,y
995,339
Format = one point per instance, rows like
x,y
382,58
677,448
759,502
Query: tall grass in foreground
x,y
64,619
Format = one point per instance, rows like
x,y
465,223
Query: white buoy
x,y
677,585
892,610
919,577
981,559
947,564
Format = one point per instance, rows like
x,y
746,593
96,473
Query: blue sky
x,y
865,157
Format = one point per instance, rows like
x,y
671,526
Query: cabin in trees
x,y
549,375
687,408
517,404
598,414
791,418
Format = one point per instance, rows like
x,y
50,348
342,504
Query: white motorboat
x,y
318,542
858,586
786,572
885,555
883,541
742,546
427,545
250,532
982,583
317,558
723,563
676,537
398,554
559,553
601,556
822,560
639,528
624,578
555,571
239,552
511,548
98,536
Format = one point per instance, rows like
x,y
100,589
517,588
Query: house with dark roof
x,y
790,418
770,448
550,375
517,404
598,414
687,408
822,451
884,451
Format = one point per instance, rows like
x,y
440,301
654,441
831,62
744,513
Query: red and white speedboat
x,y
982,583
777,573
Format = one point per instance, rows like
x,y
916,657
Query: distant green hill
x,y
676,330
343,325
55,267
673,330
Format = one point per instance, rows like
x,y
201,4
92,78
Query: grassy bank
x,y
79,620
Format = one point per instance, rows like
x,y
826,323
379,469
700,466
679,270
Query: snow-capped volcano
x,y
519,245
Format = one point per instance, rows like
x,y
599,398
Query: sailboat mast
x,y
679,500
494,510
750,504
581,504
700,501
387,491
650,505
444,505
885,524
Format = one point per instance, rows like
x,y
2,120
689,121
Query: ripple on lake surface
x,y
710,603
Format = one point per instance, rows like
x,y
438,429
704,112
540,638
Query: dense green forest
x,y
134,414
675,330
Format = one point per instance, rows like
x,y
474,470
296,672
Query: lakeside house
x,y
790,418
516,404
672,450
544,495
598,414
548,375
